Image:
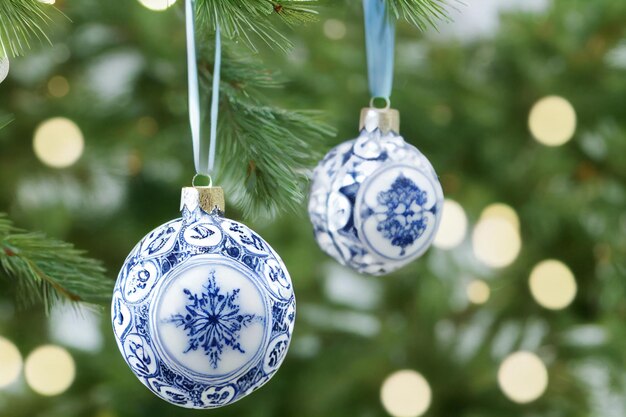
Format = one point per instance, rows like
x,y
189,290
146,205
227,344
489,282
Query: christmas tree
x,y
518,309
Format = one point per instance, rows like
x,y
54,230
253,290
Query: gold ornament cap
x,y
385,119
207,198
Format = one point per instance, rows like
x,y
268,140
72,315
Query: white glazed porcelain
x,y
4,68
203,310
375,203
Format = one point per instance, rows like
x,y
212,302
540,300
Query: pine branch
x,y
20,22
421,13
265,152
244,20
48,270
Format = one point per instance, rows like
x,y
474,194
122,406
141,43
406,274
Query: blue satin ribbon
x,y
379,42
204,164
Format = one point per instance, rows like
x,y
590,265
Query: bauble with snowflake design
x,y
375,201
203,308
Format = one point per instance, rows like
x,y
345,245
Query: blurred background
x,y
517,310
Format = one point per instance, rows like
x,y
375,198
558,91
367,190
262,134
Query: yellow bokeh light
x,y
478,292
58,86
49,370
496,242
523,377
334,29
552,284
157,5
552,121
10,363
501,211
58,142
453,226
405,394
147,126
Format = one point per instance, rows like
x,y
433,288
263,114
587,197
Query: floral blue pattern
x,y
375,202
404,222
213,320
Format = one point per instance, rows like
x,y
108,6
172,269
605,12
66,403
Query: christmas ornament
x,y
203,308
375,201
4,68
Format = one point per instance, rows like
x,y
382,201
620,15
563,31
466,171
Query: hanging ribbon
x,y
203,162
379,42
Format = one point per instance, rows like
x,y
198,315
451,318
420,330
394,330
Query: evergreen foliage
x,y
422,13
46,270
21,21
276,146
240,20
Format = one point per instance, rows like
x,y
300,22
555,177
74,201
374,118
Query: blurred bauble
x,y
203,308
4,68
375,201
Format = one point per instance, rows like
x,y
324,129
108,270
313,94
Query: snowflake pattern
x,y
404,220
213,321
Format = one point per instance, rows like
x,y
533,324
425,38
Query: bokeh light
x,y
10,362
496,242
58,142
334,29
552,121
441,114
157,5
147,126
76,327
58,86
406,393
552,284
478,292
523,377
453,226
49,370
501,211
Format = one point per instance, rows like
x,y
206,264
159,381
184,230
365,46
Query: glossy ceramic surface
x,y
375,203
203,310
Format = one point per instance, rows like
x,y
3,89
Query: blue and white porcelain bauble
x,y
203,308
375,202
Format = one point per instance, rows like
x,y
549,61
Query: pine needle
x,y
20,22
265,152
246,20
48,270
420,13
5,120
